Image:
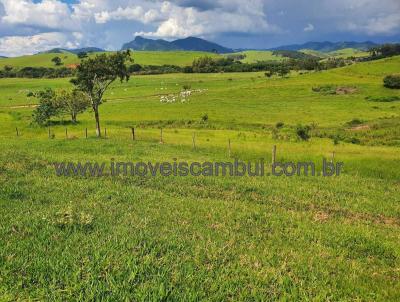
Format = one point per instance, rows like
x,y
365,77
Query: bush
x,y
303,132
383,99
279,125
355,122
325,89
392,81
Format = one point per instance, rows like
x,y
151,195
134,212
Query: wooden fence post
x,y
194,140
133,133
105,132
161,136
66,133
49,132
229,147
16,129
333,157
274,154
86,132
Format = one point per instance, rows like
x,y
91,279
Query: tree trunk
x,y
73,117
96,116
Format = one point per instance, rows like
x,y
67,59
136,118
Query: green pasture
x,y
179,58
205,238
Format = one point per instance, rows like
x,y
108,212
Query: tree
x,y
95,75
57,61
46,108
8,68
82,55
72,102
203,64
283,70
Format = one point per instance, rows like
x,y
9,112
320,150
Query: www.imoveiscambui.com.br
x,y
177,168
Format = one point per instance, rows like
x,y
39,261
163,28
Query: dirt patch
x,y
20,106
346,90
360,128
72,66
321,217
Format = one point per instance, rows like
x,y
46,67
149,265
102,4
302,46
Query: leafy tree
x,y
95,75
283,70
57,61
46,108
82,55
72,102
203,64
8,68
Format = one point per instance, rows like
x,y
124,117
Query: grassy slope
x,y
342,53
202,238
180,58
253,56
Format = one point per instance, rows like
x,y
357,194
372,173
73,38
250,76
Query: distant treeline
x,y
200,65
385,51
36,72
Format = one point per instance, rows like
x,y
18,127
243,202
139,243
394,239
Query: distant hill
x,y
197,44
74,51
187,44
141,43
3,57
328,46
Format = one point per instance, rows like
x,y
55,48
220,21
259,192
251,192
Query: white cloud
x,y
48,13
229,16
386,25
136,13
19,45
309,27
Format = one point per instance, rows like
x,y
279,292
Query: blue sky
x,y
29,26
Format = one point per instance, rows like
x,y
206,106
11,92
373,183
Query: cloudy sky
x,y
29,26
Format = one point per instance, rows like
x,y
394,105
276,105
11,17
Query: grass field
x,y
342,53
254,56
205,238
179,58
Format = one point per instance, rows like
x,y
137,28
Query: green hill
x,y
253,56
179,58
342,53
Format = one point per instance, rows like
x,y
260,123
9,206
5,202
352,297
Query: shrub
x,y
186,87
383,99
326,89
355,122
303,132
268,74
392,81
204,118
57,61
279,125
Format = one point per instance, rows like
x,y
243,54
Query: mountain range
x,y
197,44
327,46
74,51
188,44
